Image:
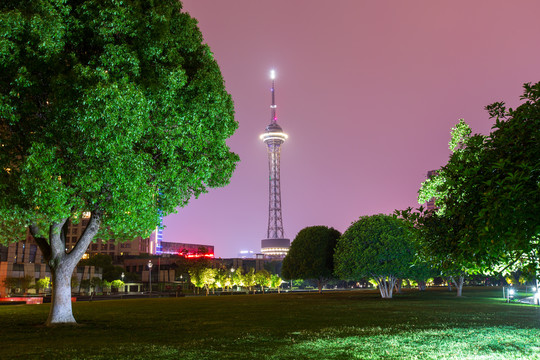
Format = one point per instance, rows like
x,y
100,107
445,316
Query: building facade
x,y
24,261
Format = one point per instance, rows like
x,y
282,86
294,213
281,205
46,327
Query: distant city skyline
x,y
368,92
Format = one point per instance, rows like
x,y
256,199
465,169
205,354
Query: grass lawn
x,y
346,325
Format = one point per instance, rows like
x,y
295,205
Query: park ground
x,y
434,324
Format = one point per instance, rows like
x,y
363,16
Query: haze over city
x,y
367,92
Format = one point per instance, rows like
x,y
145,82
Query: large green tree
x,y
379,247
436,239
489,191
311,255
111,108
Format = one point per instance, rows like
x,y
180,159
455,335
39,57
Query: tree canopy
x,y
311,255
379,247
489,189
113,109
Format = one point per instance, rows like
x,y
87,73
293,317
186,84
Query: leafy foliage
x,y
489,191
263,278
275,281
116,109
378,246
16,283
84,85
43,284
311,255
117,284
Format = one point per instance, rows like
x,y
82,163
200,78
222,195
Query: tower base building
x,y
275,248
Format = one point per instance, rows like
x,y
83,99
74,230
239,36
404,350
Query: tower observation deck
x,y
275,245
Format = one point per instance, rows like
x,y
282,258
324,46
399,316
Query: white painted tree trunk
x,y
459,283
386,286
62,264
61,311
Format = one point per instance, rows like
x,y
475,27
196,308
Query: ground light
x,y
150,275
511,293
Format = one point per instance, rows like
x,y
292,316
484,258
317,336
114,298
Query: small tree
x,y
95,283
208,278
106,286
43,284
238,277
223,278
26,283
311,255
275,282
12,284
263,278
379,247
249,279
85,286
117,284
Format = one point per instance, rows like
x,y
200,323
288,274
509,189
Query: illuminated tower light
x,y
275,245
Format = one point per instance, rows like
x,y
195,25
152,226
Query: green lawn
x,y
347,325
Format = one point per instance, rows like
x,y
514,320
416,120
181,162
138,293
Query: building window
x,y
94,247
85,222
74,231
103,246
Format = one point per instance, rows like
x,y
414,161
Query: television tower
x,y
275,245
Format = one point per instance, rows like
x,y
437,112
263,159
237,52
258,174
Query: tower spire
x,y
275,244
273,90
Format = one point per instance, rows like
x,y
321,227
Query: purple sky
x,y
367,92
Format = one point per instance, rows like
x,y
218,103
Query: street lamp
x,y
124,286
150,275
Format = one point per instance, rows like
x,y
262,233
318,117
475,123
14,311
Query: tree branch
x,y
58,246
41,242
86,238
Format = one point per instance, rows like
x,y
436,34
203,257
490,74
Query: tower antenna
x,y
273,90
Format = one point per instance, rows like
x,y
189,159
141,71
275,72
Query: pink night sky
x,y
367,92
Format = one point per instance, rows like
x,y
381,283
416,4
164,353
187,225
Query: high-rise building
x,y
275,245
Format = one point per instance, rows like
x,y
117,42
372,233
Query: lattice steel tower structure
x,y
275,244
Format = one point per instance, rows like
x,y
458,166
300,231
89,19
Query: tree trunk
x,y
63,263
459,284
386,286
319,285
61,311
421,285
398,285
